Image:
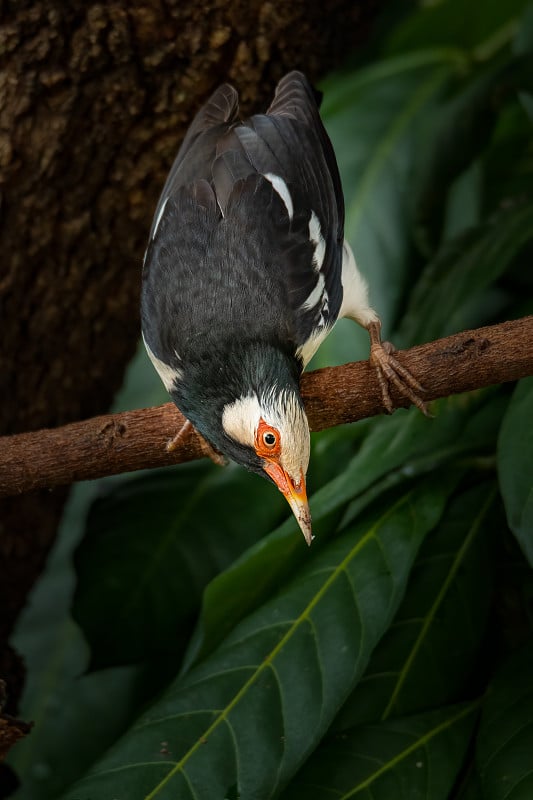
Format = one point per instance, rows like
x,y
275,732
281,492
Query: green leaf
x,y
465,127
397,449
515,465
155,542
414,668
249,715
523,41
470,786
481,27
77,716
413,758
508,168
442,301
513,599
505,739
376,118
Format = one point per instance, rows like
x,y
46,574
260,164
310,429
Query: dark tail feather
x,y
295,97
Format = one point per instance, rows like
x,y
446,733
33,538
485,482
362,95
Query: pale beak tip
x,y
295,495
305,526
303,518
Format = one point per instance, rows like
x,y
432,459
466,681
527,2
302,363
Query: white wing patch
x,y
279,186
159,216
318,299
315,235
169,375
316,295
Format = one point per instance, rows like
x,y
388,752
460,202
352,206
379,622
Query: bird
x,y
245,274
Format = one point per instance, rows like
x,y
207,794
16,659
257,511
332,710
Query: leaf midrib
x,y
422,741
266,663
430,616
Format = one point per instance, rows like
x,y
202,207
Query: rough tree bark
x,y
94,99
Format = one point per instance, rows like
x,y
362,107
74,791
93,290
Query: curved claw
x,y
389,370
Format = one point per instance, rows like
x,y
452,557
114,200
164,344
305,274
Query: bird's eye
x,y
269,439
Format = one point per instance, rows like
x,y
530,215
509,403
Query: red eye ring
x,y
267,440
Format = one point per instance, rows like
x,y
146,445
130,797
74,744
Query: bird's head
x,y
258,420
269,434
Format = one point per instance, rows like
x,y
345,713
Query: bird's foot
x,y
390,371
188,430
181,436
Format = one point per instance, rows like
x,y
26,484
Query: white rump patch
x,y
159,216
315,235
168,374
279,186
355,291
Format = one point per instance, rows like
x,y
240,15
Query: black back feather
x,y
226,266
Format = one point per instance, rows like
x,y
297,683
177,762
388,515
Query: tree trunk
x,y
94,100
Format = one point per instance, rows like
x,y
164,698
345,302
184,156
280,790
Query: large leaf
x,y
480,27
508,167
470,786
445,298
505,740
376,118
248,716
414,758
397,449
154,543
414,667
513,600
515,465
465,127
75,719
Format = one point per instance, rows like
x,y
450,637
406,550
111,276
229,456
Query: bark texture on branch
x,y
134,440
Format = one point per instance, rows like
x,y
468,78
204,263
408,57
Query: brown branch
x,y
133,440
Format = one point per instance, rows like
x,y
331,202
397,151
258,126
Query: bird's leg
x,y
389,370
186,430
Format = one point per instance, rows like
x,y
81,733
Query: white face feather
x,y
241,418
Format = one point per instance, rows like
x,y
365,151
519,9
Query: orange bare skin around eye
x,y
264,450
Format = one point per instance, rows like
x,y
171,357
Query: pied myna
x,y
246,273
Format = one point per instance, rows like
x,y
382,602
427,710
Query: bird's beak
x,y
295,494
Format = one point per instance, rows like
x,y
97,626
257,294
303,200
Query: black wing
x,y
247,237
290,141
195,155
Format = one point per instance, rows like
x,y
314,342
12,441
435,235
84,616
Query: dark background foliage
x,y
184,643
